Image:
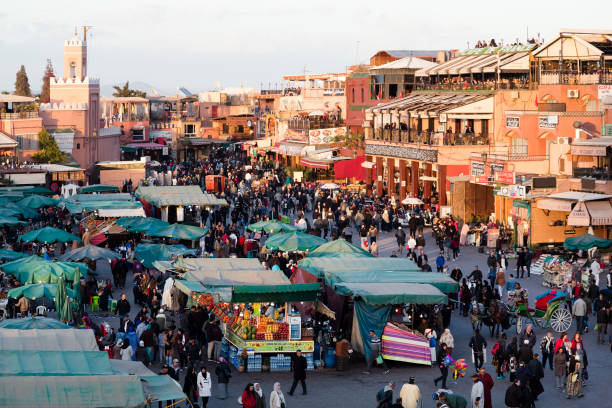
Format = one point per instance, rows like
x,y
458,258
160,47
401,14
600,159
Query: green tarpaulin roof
x,y
294,241
163,196
178,231
36,322
99,188
38,201
140,224
72,391
51,339
37,291
8,255
586,242
271,226
438,280
338,248
187,287
54,363
162,388
218,264
320,265
374,293
229,272
306,292
48,235
78,207
100,197
89,252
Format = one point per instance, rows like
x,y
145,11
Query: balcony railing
x,y
19,115
128,117
574,78
431,138
307,124
474,85
596,173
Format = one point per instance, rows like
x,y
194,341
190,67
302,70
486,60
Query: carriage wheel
x,y
519,324
560,320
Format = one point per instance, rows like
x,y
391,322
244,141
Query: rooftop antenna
x,y
86,28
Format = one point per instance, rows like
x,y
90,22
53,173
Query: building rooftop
x,y
414,63
10,98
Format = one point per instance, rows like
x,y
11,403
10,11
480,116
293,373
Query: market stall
x,y
556,272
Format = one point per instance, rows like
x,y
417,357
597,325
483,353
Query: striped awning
x,y
315,164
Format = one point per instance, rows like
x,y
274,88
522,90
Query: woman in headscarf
x,y
277,399
448,339
248,396
260,400
190,386
126,350
204,386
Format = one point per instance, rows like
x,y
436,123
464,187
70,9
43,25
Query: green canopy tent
x,y
319,265
10,222
141,224
178,231
305,292
34,269
586,242
76,286
89,252
96,391
8,255
441,282
48,339
377,293
62,303
54,363
294,241
9,212
339,248
99,188
48,235
36,201
149,253
271,227
17,209
37,291
7,198
35,322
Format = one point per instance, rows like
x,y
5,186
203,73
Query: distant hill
x,y
106,90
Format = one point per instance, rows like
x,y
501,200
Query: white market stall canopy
x,y
164,196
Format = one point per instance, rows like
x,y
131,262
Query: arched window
x,y
353,92
78,146
72,70
362,95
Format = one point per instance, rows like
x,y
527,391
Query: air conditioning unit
x,y
563,140
573,93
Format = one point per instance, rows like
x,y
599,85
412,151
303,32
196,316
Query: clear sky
x,y
200,43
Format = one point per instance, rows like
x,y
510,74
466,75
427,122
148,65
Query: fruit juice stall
x,y
261,325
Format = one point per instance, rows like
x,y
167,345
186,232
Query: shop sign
x,y
514,190
496,167
579,217
274,346
589,150
478,169
325,136
165,151
513,122
603,91
481,180
548,122
520,204
505,177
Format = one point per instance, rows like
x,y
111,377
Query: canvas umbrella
x,y
140,224
9,212
8,255
10,221
27,263
37,291
330,186
34,322
48,235
272,226
149,253
37,201
76,286
339,248
411,201
177,231
25,212
44,272
586,242
89,252
294,241
99,188
62,303
38,190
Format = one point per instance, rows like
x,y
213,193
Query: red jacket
x,y
248,399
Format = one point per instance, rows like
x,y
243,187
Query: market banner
x,y
325,136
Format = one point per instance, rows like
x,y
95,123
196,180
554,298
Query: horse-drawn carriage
x,y
551,310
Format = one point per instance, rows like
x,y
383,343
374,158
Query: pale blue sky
x,y
196,43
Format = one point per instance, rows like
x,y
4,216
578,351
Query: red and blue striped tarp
x,y
403,344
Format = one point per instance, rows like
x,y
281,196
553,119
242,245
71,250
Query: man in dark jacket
x,y
520,263
514,395
537,373
478,344
224,374
299,372
528,259
528,335
476,274
384,396
123,307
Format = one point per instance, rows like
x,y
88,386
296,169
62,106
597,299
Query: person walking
x,y
277,399
299,372
500,281
602,324
440,262
410,394
224,374
384,396
477,395
520,263
560,370
514,395
448,339
400,236
260,399
375,351
443,365
547,347
247,399
204,383
478,345
190,385
579,311
488,384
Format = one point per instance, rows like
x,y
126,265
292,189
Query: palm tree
x,y
125,91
